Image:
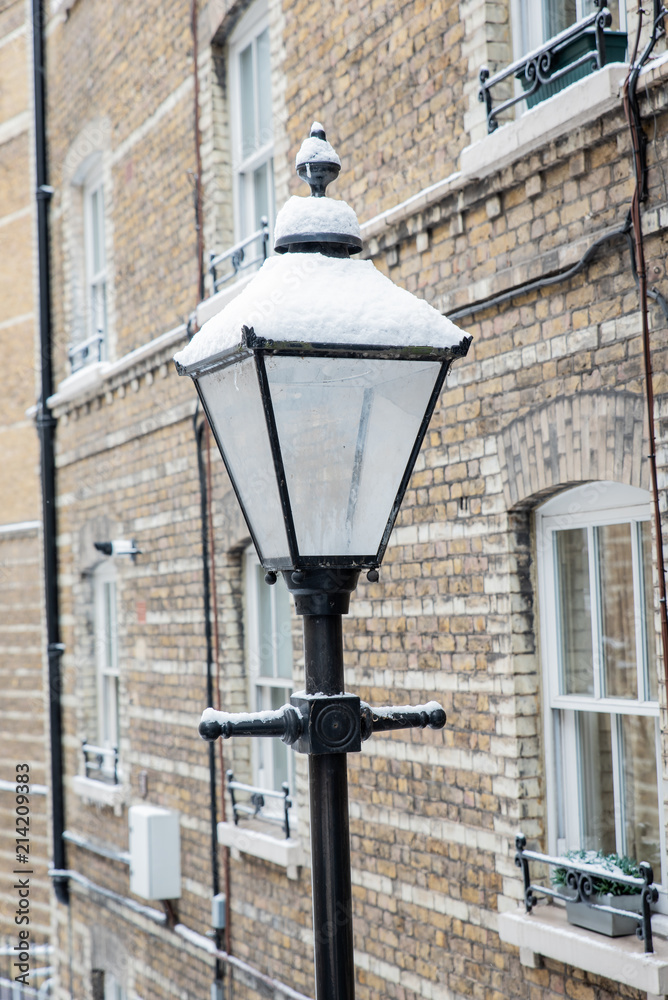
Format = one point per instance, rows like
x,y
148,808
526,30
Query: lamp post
x,y
319,381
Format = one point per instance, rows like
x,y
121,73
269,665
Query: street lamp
x,y
319,381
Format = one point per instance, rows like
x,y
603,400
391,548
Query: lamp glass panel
x,y
233,400
346,428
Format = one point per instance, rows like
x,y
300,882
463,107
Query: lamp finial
x,y
317,162
324,225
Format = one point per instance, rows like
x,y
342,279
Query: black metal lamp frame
x,y
259,348
323,721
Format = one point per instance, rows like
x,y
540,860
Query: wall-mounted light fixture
x,y
118,547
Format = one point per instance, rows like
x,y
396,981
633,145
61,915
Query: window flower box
x,y
615,51
602,921
601,889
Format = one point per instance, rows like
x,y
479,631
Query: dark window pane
x,y
648,607
574,611
557,15
640,795
247,84
264,87
597,802
618,632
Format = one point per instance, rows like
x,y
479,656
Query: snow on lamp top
x,y
319,224
306,298
301,217
314,294
317,163
316,149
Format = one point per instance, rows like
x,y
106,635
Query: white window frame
x,y
528,23
587,506
95,259
106,654
263,750
250,27
112,988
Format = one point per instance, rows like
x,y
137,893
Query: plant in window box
x,y
607,885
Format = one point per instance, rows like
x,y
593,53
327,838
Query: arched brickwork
x,y
571,440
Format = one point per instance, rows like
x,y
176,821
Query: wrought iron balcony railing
x,y
549,64
580,881
237,259
100,763
255,807
86,351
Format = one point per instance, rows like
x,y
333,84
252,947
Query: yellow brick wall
x,y
386,81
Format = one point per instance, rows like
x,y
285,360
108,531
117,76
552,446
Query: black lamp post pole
x,y
330,831
322,597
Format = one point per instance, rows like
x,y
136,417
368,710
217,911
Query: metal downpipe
x,y
46,426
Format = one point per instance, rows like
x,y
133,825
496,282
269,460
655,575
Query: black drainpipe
x,y
46,425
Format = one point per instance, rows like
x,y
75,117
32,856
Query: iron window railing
x,y
236,257
544,66
255,806
85,351
100,763
579,881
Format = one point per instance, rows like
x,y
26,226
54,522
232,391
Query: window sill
x,y
287,853
99,793
547,933
582,102
89,377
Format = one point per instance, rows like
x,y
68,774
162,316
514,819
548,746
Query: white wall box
x,y
155,852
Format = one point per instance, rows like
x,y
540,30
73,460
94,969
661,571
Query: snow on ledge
x,y
100,793
287,853
90,376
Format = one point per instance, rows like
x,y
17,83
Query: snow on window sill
x,y
546,933
88,377
582,102
100,793
285,852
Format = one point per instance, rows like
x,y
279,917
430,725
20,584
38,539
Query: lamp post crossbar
x,y
292,723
